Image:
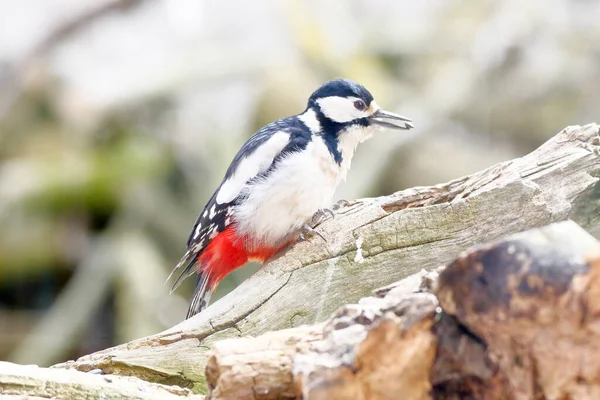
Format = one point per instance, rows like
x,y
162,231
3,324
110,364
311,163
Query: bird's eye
x,y
360,105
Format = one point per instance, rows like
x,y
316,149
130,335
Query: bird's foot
x,y
341,203
320,216
308,231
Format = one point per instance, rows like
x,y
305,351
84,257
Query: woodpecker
x,y
283,177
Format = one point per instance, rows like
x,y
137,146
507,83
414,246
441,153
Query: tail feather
x,y
225,253
201,296
188,266
184,269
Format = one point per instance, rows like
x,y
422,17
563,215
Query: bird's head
x,y
342,103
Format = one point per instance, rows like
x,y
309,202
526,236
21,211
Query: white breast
x,y
303,182
279,205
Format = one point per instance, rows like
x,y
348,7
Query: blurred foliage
x,y
119,118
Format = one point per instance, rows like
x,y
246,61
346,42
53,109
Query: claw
x,y
308,230
341,203
320,216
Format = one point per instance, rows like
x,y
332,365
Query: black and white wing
x,y
255,158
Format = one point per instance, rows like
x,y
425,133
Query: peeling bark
x,y
534,301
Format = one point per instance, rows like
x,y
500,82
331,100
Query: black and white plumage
x,y
283,175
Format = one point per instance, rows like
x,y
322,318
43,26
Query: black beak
x,y
382,117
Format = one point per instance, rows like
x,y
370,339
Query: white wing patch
x,y
257,162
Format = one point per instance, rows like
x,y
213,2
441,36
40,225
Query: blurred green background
x,y
118,119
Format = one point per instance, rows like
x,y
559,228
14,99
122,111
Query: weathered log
x,y
385,344
282,364
32,382
262,368
372,243
387,351
519,319
534,301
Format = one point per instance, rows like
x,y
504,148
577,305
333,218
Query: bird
x,y
281,180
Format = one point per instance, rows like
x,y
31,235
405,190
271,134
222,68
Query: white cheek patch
x,y
259,161
340,109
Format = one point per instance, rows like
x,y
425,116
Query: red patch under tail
x,y
225,253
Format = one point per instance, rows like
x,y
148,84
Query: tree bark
x,y
279,364
31,382
533,300
372,243
516,319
